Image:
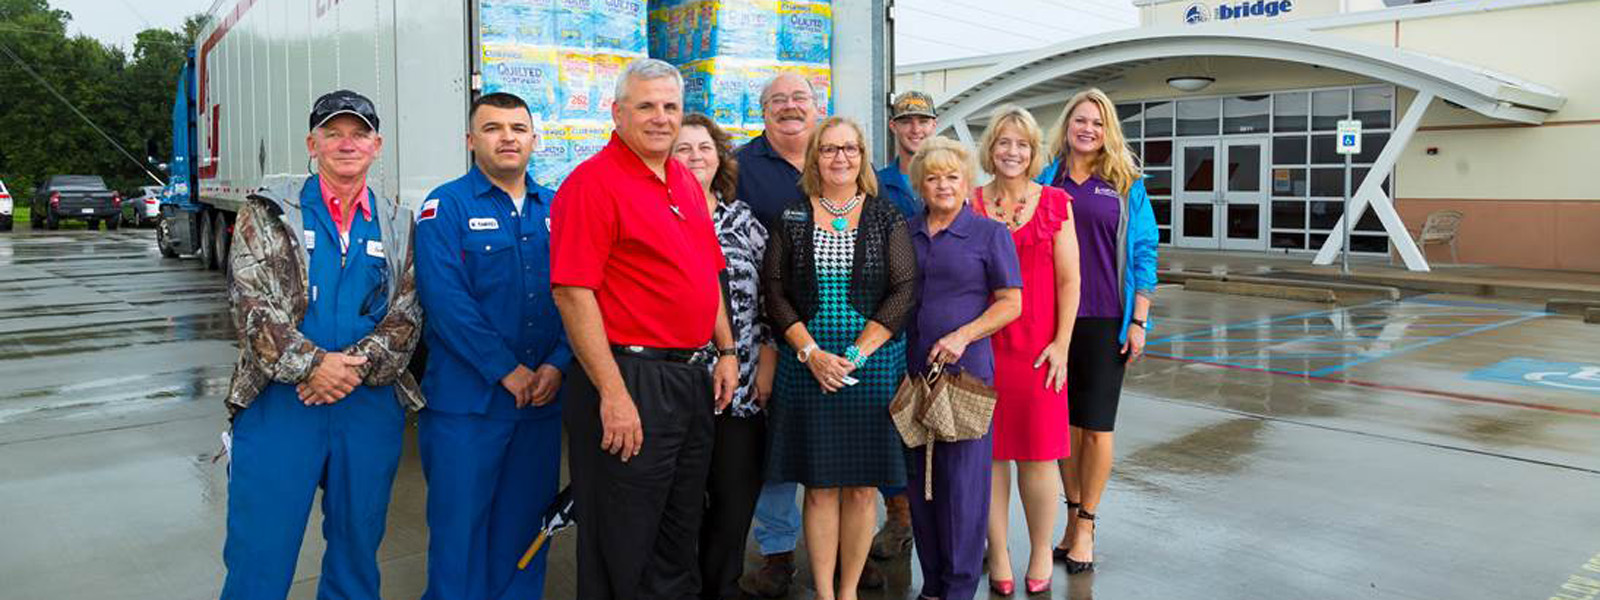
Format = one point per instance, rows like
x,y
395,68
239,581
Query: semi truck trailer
x,y
240,105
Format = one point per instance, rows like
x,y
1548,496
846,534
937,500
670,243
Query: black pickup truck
x,y
85,197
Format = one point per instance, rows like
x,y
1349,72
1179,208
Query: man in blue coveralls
x,y
491,435
325,306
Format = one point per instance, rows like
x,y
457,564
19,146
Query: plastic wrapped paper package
x,y
607,69
574,23
619,25
738,29
528,72
586,139
715,88
756,76
577,85
552,154
821,78
805,30
530,22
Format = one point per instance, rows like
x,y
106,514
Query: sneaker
x,y
871,578
892,541
772,580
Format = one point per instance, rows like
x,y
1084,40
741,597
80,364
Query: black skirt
x,y
1095,366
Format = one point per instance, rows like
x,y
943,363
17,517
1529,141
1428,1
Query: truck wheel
x,y
163,242
208,242
52,221
219,224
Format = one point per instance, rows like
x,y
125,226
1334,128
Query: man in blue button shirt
x,y
491,435
912,118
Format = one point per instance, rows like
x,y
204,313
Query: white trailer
x,y
258,65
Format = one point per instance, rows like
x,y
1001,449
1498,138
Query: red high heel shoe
x,y
1004,587
1037,586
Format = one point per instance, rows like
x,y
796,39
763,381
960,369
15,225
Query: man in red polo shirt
x,y
635,264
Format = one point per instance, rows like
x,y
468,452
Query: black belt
x,y
677,355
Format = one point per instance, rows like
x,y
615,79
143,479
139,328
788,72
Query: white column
x,y
1371,193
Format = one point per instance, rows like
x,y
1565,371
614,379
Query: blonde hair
x,y
939,155
1011,114
811,176
1114,163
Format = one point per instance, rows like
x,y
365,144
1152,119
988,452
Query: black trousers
x,y
639,521
731,494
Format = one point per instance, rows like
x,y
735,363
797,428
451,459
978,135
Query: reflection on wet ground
x,y
1266,449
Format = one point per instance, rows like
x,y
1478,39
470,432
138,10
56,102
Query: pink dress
x,y
1030,421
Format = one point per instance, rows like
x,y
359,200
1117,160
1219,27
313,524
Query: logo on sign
x,y
1200,13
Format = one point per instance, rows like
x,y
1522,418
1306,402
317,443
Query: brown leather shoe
x,y
773,579
871,578
894,540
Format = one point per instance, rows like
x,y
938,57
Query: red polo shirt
x,y
613,230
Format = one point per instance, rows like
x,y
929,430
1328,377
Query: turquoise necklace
x,y
839,212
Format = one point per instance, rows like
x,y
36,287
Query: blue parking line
x,y
1480,329
1303,315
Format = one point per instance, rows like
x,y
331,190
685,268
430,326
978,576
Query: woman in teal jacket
x,y
1117,248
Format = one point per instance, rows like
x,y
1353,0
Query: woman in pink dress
x,y
1030,354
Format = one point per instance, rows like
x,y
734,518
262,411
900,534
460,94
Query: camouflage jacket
x,y
268,263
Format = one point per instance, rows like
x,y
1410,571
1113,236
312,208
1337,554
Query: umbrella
x,y
557,517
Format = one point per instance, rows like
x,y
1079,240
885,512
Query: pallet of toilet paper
x,y
562,57
729,90
789,31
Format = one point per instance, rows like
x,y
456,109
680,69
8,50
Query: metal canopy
x,y
1050,74
1083,61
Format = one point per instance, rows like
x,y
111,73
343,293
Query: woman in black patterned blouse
x,y
735,480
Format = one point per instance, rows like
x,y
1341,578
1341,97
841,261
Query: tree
x,y
128,97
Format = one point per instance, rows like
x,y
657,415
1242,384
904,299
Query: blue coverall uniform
x,y
483,277
284,450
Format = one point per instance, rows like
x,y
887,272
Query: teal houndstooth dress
x,y
843,439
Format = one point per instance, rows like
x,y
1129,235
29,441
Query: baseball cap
x,y
912,103
343,102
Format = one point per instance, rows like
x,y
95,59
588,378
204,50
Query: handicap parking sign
x,y
1542,374
1349,136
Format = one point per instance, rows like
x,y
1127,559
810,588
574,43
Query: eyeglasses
x,y
849,150
781,99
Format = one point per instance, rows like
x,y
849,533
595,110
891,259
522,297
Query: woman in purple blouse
x,y
969,286
1117,250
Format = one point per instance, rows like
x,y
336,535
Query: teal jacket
x,y
1137,237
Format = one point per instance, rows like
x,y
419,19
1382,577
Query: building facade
x,y
1484,108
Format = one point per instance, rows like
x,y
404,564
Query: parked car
x,y
143,208
6,206
85,197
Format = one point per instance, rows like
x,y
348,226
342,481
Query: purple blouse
x,y
958,271
1096,208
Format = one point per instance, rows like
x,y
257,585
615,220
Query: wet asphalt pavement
x,y
1439,447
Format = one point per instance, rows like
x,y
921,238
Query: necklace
x,y
839,221
1014,220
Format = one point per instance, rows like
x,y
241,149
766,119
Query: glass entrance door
x,y
1196,194
1242,209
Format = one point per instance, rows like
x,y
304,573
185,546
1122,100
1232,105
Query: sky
x,y
925,30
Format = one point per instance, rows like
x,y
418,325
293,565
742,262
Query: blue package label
x,y
619,25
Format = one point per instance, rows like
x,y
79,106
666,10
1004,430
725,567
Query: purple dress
x,y
958,272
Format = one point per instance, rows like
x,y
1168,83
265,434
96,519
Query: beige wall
x,y
1171,13
1529,192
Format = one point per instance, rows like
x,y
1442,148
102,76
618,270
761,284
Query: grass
x,y
20,213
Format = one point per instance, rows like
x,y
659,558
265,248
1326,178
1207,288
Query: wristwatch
x,y
804,354
730,351
1139,322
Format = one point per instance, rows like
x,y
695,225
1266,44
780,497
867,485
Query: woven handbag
x,y
941,407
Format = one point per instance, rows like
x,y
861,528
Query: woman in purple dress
x,y
969,286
